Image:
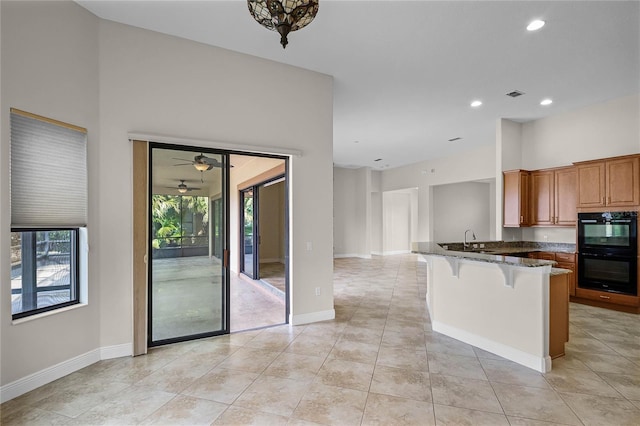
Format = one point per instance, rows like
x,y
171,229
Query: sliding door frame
x,y
226,299
142,236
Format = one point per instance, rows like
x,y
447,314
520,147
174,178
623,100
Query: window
x,y
44,270
48,213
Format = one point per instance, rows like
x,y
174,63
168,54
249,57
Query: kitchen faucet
x,y
465,244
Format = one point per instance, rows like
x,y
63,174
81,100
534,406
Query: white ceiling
x,y
405,72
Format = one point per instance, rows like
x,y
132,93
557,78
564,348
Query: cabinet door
x,y
591,184
516,184
565,197
542,199
622,182
572,277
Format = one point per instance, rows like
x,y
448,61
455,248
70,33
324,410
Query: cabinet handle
x,y
521,219
604,201
604,297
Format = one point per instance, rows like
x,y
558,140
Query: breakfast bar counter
x,y
515,307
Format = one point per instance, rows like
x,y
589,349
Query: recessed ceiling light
x,y
356,141
476,104
535,25
546,102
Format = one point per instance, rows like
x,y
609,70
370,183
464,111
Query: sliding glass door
x,y
188,268
250,236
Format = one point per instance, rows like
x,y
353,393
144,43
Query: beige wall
x,y
602,130
50,67
352,212
271,222
461,206
60,61
145,86
478,164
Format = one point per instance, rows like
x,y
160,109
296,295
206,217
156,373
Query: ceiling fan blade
x,y
182,159
183,164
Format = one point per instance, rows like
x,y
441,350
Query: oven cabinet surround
x,y
610,182
603,299
517,308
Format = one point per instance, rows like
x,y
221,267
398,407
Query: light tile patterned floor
x,y
377,363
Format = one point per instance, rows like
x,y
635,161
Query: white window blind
x,y
48,172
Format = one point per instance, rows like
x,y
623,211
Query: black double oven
x,y
608,251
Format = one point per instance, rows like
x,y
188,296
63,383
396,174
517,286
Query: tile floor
x,y
192,285
378,362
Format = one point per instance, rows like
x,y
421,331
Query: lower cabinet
x,y
603,299
563,260
558,314
568,261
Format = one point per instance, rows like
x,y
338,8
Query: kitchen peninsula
x,y
515,307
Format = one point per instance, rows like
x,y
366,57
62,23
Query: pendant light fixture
x,y
283,16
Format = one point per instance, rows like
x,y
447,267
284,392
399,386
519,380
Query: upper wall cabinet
x,y
612,182
516,198
553,197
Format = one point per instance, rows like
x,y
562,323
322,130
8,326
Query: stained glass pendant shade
x,y
283,16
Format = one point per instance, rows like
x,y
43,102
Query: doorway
x,y
195,287
263,218
262,225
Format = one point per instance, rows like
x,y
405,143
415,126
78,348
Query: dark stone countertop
x,y
486,254
514,246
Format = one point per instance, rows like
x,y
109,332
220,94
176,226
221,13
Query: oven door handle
x,y
619,256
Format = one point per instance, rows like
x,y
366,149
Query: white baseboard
x,y
361,256
49,374
540,364
116,351
312,317
392,252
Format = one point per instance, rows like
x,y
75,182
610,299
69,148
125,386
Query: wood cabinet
x,y
558,314
563,260
568,261
566,197
612,182
516,198
553,197
542,198
620,302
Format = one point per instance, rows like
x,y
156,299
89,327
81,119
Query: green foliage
x,y
169,213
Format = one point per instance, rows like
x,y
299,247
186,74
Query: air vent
x,y
515,93
454,139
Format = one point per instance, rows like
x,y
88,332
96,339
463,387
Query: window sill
x,y
47,314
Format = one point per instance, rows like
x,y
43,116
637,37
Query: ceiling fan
x,y
201,162
183,188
